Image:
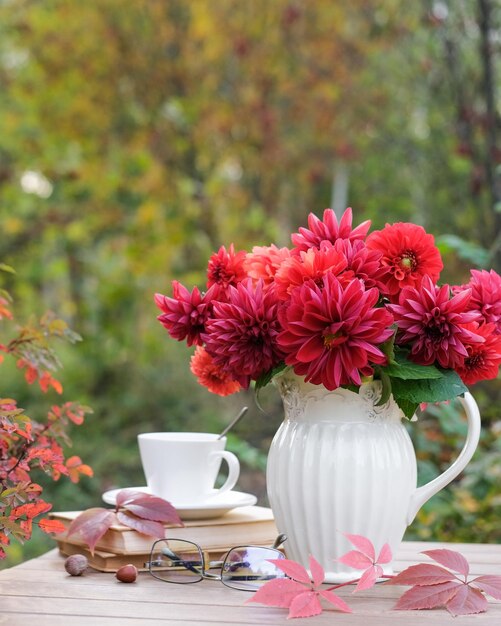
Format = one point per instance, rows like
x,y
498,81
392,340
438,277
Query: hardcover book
x,y
251,525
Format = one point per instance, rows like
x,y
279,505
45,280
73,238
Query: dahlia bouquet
x,y
339,307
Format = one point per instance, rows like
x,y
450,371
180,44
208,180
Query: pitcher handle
x,y
424,493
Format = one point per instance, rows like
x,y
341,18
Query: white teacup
x,y
182,467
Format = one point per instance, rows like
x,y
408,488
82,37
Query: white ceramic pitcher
x,y
341,464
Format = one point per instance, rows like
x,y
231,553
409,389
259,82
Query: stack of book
x,y
250,525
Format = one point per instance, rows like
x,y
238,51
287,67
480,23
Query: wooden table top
x,y
40,592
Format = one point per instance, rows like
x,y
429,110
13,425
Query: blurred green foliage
x,y
138,136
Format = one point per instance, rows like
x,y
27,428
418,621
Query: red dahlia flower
x,y
331,334
242,334
483,360
435,324
409,254
211,375
486,296
328,230
226,268
264,261
312,264
184,316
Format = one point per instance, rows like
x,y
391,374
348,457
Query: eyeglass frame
x,y
203,573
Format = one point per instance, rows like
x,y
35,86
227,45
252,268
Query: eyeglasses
x,y
244,567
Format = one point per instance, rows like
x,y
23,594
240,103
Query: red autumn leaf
x,y
305,604
451,559
365,558
385,555
51,526
75,467
278,592
33,490
317,572
92,524
369,577
300,594
46,381
144,526
127,495
293,570
151,508
466,601
489,584
335,600
31,509
363,545
422,574
356,559
427,596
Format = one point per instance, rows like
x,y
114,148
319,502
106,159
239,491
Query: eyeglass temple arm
x,y
281,538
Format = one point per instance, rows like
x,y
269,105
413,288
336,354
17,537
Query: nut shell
x,y
76,564
127,573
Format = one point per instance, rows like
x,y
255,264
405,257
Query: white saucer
x,y
215,506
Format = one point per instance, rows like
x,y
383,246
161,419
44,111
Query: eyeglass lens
x,y
248,568
176,561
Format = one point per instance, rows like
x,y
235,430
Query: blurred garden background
x,y
138,136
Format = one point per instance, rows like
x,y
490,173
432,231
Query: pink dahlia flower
x,y
312,264
264,261
435,324
328,230
409,254
211,375
364,263
226,268
242,334
331,334
185,314
486,296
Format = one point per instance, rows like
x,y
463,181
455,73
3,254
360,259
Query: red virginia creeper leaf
x,y
427,597
277,592
362,544
305,604
92,524
317,572
144,526
385,555
490,584
369,577
338,602
126,495
294,570
422,574
466,601
451,559
153,508
51,526
356,559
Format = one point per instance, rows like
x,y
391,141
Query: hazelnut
x,y
76,564
127,573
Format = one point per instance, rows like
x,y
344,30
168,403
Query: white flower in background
x,y
36,183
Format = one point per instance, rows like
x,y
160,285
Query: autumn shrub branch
x,y
27,445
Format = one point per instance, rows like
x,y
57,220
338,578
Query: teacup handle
x,y
233,471
424,493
